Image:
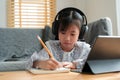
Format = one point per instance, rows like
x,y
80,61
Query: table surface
x,y
25,75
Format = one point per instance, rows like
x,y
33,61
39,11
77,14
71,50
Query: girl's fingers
x,y
54,64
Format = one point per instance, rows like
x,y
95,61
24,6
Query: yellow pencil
x,y
48,51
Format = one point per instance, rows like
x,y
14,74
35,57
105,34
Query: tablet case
x,y
101,66
104,56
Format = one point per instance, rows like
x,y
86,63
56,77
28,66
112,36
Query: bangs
x,y
65,24
69,18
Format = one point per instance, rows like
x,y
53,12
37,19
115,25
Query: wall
x,y
60,4
3,13
102,8
118,15
94,9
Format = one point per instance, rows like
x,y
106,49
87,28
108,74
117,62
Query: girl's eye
x,y
73,34
63,32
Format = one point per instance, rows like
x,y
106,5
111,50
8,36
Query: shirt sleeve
x,y
42,55
83,57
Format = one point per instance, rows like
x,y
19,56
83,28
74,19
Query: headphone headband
x,y
55,24
73,9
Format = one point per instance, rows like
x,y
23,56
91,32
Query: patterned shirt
x,y
78,54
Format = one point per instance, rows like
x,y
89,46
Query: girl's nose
x,y
67,37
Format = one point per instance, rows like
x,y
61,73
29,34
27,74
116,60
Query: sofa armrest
x,y
13,65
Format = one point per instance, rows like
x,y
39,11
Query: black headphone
x,y
55,24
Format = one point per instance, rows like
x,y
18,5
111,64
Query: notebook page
x,y
42,71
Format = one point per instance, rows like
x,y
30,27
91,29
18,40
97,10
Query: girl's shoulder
x,y
82,44
52,42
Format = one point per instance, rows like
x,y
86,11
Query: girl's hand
x,y
47,64
69,65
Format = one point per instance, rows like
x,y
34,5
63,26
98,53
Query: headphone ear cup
x,y
55,27
82,32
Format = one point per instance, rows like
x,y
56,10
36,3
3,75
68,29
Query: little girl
x,y
68,51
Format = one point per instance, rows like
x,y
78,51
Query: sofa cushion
x,y
102,26
18,43
48,35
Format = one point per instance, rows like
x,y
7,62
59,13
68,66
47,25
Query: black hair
x,y
69,17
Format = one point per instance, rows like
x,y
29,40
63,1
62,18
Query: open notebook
x,y
42,71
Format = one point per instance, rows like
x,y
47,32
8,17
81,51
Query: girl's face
x,y
69,37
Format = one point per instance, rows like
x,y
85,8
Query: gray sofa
x,y
102,26
18,44
16,47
